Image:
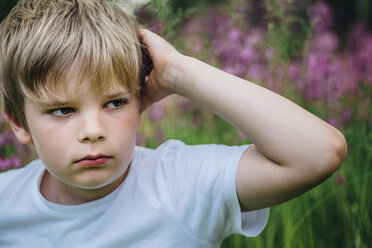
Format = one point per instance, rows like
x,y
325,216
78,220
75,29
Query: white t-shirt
x,y
174,196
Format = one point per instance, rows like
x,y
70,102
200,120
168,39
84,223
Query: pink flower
x,y
340,180
293,71
322,16
157,26
230,69
326,41
159,136
234,35
256,72
139,139
333,121
197,120
247,54
15,161
183,104
192,25
157,111
5,164
255,36
269,53
347,115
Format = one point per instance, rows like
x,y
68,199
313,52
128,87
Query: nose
x,y
92,128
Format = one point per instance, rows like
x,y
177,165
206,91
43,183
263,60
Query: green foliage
x,y
174,12
7,151
287,33
187,4
337,213
363,9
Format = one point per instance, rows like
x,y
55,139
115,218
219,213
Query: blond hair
x,y
43,41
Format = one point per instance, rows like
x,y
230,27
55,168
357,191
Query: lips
x,y
93,160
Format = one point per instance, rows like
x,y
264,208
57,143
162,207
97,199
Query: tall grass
x,y
303,60
337,213
330,81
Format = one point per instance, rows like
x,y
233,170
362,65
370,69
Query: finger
x,y
153,41
145,35
142,31
147,41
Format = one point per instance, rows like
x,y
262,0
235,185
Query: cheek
x,y
125,133
128,124
49,142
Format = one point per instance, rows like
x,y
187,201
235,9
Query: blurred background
x,y
316,53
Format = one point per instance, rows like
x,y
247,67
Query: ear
x,y
19,131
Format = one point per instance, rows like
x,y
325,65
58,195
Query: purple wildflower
x,y
326,41
191,32
334,122
347,115
340,180
197,120
234,35
157,111
8,158
248,54
139,139
294,71
254,37
159,136
183,104
322,16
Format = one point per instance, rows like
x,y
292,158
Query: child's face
x,y
85,139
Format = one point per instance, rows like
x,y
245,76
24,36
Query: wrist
x,y
175,75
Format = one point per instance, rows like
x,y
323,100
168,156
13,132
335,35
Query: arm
x,y
294,150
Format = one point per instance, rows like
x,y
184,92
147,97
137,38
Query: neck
x,y
61,193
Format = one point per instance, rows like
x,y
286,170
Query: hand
x,y
163,79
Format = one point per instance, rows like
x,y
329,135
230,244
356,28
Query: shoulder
x,y
198,151
174,156
151,157
176,164
19,176
169,145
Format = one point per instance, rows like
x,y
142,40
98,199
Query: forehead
x,y
88,87
71,88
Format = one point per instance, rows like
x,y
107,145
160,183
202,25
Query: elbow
x,y
334,155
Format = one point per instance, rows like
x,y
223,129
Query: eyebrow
x,y
119,94
57,104
53,104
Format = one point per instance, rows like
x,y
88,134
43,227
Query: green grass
x,y
337,213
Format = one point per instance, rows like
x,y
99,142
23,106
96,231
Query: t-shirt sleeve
x,y
202,191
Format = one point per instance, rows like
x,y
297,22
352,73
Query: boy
x,y
70,75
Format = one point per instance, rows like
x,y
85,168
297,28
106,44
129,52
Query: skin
x,y
76,125
293,150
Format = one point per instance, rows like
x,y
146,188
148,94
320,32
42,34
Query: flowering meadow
x,y
301,57
294,50
12,153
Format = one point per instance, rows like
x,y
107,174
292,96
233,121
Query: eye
x,y
61,112
115,104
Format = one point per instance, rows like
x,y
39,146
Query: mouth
x,y
93,160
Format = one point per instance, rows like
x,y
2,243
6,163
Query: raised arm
x,y
293,149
